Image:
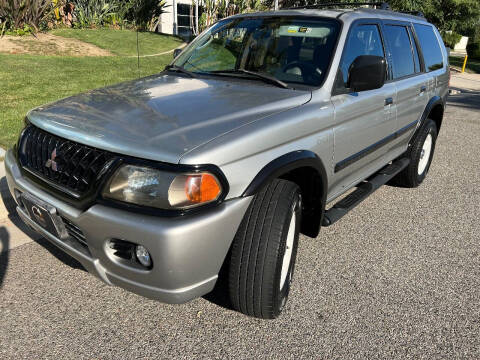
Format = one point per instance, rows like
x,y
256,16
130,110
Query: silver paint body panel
x,y
187,251
239,126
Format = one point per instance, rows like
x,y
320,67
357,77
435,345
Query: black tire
x,y
410,176
258,250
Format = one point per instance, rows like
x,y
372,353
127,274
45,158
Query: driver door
x,y
365,120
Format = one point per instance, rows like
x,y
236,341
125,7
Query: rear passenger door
x,y
409,78
364,121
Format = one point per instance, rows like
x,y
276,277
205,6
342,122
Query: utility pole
x,y
196,18
174,14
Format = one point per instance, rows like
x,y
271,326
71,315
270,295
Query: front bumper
x,y
187,251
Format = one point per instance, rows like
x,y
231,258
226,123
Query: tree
x,y
461,16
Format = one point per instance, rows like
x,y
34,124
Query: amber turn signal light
x,y
200,188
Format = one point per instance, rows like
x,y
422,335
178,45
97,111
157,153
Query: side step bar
x,y
364,190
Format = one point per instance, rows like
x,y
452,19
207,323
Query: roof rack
x,y
415,13
377,5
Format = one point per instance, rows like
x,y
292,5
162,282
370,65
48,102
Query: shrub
x,y
145,14
473,50
93,13
22,15
450,38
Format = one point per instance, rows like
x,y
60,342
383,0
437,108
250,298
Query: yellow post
x,y
464,63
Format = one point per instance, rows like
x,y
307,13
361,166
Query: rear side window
x,y
432,54
363,40
401,50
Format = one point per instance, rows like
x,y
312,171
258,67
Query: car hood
x,y
162,117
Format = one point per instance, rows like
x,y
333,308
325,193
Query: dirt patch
x,y
47,44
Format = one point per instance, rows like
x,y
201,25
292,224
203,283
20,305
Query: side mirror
x,y
367,72
176,52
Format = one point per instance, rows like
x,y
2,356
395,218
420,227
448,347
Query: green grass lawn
x,y
473,65
28,81
123,42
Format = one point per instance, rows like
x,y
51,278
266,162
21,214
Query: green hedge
x,y
473,50
451,39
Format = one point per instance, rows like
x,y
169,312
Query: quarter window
x,y
363,40
401,50
432,54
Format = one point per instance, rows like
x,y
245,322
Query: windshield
x,y
294,50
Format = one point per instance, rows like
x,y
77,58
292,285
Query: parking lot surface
x,y
398,277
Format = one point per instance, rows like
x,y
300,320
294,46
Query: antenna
x,y
138,53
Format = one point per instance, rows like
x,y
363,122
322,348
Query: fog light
x,y
143,256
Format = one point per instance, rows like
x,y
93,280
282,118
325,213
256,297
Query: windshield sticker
x,y
304,31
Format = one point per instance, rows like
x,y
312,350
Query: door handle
x,y
388,101
423,89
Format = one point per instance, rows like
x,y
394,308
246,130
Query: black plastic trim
x,y
284,164
368,150
434,101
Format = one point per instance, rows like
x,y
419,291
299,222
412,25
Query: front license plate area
x,y
44,215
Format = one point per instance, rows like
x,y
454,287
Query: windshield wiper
x,y
266,78
179,69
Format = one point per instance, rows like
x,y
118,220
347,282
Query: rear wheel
x,y
264,251
420,154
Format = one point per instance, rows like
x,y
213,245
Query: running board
x,y
364,190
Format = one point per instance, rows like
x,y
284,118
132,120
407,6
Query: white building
x,y
179,18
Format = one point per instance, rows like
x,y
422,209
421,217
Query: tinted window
x,y
363,40
415,51
430,47
401,50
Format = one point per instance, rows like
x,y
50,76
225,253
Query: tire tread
x,y
255,249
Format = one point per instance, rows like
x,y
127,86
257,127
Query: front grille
x,y
75,232
63,163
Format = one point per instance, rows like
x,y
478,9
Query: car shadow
x,y
220,293
469,99
11,207
4,253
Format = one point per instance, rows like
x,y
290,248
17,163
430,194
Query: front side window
x,y
362,40
293,50
432,54
401,50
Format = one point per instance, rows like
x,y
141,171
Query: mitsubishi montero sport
x,y
243,142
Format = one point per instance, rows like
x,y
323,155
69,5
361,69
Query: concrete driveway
x,y
399,277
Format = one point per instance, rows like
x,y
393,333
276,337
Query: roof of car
x,y
351,14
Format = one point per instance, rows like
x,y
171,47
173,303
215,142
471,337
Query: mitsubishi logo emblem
x,y
51,163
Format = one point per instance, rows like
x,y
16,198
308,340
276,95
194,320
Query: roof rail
x,y
415,13
377,5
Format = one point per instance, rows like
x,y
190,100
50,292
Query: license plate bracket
x,y
45,215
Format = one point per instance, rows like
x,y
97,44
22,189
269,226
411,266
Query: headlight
x,y
162,189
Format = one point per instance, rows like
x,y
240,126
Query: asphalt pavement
x,y
398,277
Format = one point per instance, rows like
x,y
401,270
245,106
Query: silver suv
x,y
212,168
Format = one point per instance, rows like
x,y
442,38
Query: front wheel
x,y
421,155
264,251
